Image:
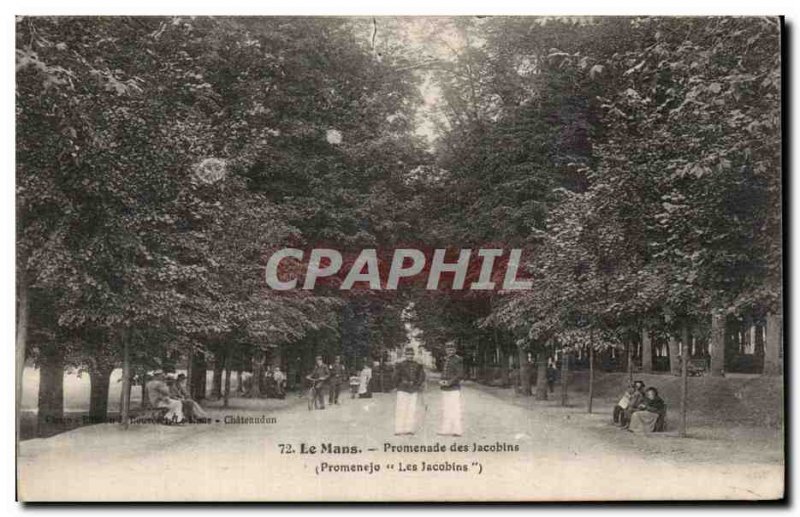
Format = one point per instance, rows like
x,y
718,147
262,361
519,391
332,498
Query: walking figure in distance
x,y
338,375
551,374
318,376
364,381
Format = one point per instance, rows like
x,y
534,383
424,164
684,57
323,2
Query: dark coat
x,y
659,407
409,376
338,374
656,405
452,373
319,374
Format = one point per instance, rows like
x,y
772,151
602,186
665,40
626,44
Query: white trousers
x,y
175,408
451,413
405,412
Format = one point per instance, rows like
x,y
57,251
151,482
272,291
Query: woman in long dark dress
x,y
651,417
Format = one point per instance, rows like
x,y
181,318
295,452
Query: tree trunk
x,y
216,380
684,379
564,377
190,371
773,345
381,383
255,380
717,343
503,358
125,397
198,391
21,342
277,358
524,372
674,356
541,376
51,389
227,392
759,341
145,395
630,361
99,379
647,352
591,372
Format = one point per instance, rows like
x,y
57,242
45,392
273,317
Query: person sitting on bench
x,y
159,394
636,400
624,403
651,416
630,400
194,412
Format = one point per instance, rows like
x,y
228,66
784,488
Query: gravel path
x,y
563,454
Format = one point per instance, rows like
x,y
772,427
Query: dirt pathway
x,y
547,454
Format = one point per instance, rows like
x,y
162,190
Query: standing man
x,y
318,376
338,375
280,382
450,384
551,374
409,378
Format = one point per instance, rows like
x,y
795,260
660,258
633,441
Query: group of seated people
x,y
641,410
166,391
275,383
272,383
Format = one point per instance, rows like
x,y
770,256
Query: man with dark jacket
x,y
409,378
450,384
338,376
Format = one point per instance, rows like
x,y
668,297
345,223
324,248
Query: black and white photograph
x,y
384,258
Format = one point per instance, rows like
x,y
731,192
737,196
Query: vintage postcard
x,y
392,259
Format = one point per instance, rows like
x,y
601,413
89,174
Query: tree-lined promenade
x,y
162,161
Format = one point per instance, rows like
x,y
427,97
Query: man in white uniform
x,y
409,378
450,384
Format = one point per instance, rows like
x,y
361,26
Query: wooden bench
x,y
697,367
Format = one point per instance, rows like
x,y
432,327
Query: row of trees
x,y
161,160
638,160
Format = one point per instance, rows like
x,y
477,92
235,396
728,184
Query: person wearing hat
x,y
450,384
409,377
159,394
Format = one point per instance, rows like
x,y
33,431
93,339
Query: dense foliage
x,y
161,160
